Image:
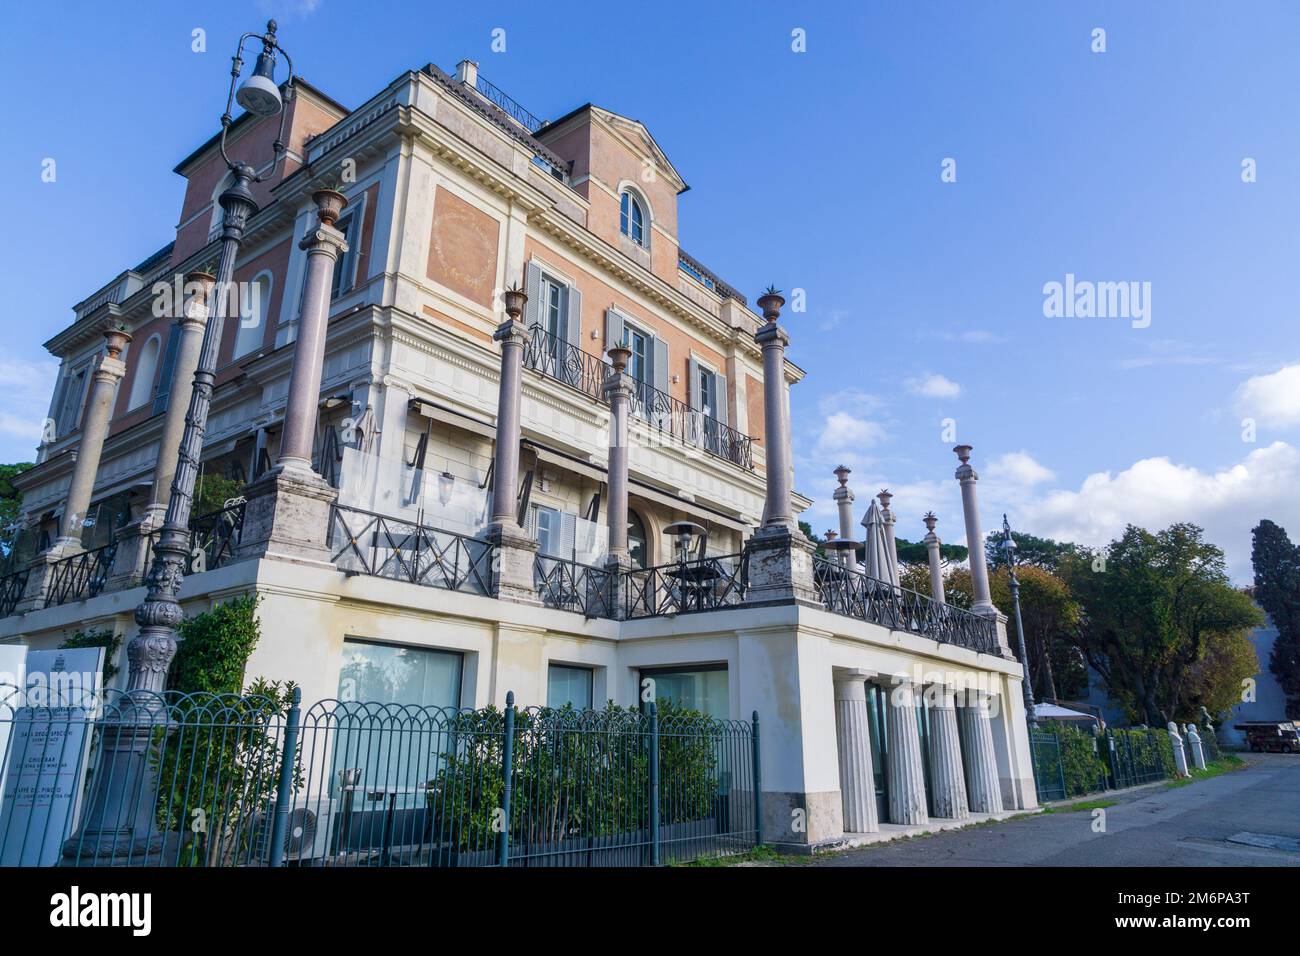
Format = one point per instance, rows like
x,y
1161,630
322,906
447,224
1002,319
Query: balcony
x,y
569,365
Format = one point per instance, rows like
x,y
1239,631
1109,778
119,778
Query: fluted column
x,y
843,496
323,246
979,572
947,778
975,723
932,544
853,738
94,429
189,326
618,388
906,772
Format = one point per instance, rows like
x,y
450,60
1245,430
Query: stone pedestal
x,y
134,552
512,566
287,516
780,567
1180,755
983,787
947,777
906,772
40,574
1194,745
934,558
853,737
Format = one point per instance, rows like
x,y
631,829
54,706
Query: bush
x,y
214,648
99,637
1081,760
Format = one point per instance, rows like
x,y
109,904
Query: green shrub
x,y
99,637
1081,760
214,648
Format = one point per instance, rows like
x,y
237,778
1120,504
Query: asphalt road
x,y
1184,826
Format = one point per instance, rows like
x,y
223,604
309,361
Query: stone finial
x,y
619,356
330,204
930,521
514,298
831,535
842,474
770,302
116,338
885,497
965,470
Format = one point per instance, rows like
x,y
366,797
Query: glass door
x,y
877,706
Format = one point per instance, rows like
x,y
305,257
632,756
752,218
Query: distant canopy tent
x,y
1045,711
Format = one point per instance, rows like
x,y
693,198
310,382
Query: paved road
x,y
1185,826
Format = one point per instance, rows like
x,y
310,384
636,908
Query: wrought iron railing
x,y
849,592
372,783
81,575
703,584
362,542
12,586
508,105
569,585
215,536
566,363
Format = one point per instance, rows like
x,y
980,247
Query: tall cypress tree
x,y
1277,589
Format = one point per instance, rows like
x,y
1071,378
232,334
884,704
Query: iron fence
x,y
215,536
256,780
566,363
1049,772
12,587
570,585
1069,762
362,542
849,592
81,575
702,584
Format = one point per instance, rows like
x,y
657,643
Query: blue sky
x,y
821,171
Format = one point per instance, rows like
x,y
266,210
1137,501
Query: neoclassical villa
x,y
551,456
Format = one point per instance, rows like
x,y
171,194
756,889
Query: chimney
x,y
467,73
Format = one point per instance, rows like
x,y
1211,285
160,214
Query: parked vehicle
x,y
1273,736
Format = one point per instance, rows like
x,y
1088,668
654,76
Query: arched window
x,y
254,307
146,366
631,217
636,540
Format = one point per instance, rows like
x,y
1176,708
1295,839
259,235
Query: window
x,y
631,218
708,393
554,317
547,522
394,674
163,393
67,413
254,306
345,266
702,688
569,685
638,366
636,540
146,365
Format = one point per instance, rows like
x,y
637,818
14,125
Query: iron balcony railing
x,y
704,584
81,575
508,105
849,592
12,586
215,536
566,363
362,542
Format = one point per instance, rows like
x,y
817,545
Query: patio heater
x,y
683,533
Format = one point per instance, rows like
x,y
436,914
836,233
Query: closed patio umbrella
x,y
879,562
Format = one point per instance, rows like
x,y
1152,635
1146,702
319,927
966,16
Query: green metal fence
x,y
206,780
1071,763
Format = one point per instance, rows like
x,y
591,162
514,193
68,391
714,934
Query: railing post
x,y
758,786
654,783
507,771
284,790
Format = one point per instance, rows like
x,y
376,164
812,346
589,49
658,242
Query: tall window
x,y
636,540
254,307
548,531
146,365
703,688
345,266
67,412
631,218
554,315
394,674
569,685
638,366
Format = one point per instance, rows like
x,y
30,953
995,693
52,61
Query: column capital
x,y
512,332
194,310
620,384
965,472
772,334
850,684
324,239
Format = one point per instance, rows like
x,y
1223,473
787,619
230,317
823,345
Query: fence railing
x,y
81,575
362,542
702,584
849,592
570,585
566,363
215,536
1070,762
12,587
261,781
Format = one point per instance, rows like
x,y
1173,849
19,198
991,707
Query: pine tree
x,y
1277,589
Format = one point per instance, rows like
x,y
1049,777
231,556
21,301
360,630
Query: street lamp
x,y
123,799
1008,545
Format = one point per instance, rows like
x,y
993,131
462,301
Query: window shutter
x,y
568,534
533,289
60,397
660,367
720,413
161,396
693,384
573,328
613,328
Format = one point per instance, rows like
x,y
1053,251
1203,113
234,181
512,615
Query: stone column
x,y
287,514
1180,755
516,551
780,555
618,388
94,429
906,772
887,520
853,736
843,496
947,775
975,723
932,544
979,572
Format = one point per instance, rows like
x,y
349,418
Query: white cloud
x,y
846,435
1155,492
24,402
1272,399
933,385
1020,468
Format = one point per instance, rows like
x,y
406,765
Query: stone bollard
x,y
1194,744
1180,756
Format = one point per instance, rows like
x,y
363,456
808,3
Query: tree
x,y
1030,550
1162,625
915,552
1051,616
11,501
1277,589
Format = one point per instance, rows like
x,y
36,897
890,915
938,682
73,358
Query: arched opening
x,y
637,540
146,366
632,217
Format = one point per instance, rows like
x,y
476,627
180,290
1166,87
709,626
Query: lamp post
x,y
1008,546
123,800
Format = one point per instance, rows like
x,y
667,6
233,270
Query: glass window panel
x,y
569,685
702,690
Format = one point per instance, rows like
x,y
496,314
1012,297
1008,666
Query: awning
x,y
441,413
